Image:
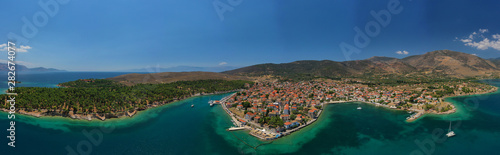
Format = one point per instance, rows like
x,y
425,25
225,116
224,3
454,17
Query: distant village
x,y
274,109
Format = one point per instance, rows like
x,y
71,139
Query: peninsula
x,y
104,99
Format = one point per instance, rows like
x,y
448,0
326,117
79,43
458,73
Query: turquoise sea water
x,y
179,129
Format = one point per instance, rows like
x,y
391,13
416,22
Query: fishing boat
x,y
450,133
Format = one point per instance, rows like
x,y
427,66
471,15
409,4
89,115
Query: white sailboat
x,y
450,133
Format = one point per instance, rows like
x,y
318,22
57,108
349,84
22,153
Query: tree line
x,y
106,96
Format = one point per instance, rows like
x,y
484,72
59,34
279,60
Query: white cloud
x,y
22,48
222,63
474,54
403,52
466,40
496,36
3,47
479,41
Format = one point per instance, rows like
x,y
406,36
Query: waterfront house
x,y
312,113
243,122
288,125
249,116
295,124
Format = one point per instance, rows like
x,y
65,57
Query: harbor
x,y
415,113
260,133
415,116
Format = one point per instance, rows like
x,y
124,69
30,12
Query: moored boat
x,y
450,133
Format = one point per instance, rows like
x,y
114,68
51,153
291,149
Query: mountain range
x,y
441,62
3,67
181,69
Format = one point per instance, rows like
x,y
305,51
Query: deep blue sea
x,y
179,129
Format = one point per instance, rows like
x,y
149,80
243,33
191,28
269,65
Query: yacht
x,y
192,105
450,133
359,108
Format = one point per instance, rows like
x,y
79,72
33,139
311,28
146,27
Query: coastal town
x,y
274,109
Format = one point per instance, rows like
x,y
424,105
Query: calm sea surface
x,y
179,129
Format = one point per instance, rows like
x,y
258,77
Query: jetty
x,y
415,116
102,118
236,128
130,114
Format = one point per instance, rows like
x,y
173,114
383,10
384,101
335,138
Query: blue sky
x,y
116,35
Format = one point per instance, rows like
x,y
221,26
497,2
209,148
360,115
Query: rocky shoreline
x,y
453,109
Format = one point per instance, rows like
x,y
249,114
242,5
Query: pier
x,y
415,116
236,128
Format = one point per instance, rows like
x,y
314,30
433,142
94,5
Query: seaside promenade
x,y
268,135
223,104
